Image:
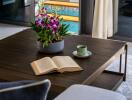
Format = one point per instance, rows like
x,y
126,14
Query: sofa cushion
x,y
83,92
24,90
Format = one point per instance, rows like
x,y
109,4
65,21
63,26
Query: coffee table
x,y
18,51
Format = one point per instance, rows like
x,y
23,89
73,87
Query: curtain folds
x,y
103,19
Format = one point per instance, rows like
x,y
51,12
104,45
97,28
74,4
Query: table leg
x,y
125,69
120,68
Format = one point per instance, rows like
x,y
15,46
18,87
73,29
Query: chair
x,y
24,90
83,92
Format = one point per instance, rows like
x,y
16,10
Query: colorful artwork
x,y
61,10
66,11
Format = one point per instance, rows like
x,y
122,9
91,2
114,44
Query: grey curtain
x,y
86,16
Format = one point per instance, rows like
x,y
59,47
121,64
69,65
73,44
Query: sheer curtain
x,y
103,21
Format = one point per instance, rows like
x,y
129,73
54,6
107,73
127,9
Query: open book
x,y
58,63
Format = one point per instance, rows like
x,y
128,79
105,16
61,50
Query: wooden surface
x,y
18,51
108,80
60,3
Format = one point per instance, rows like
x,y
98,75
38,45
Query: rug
x,y
7,30
126,87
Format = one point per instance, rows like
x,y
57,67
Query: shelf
x,y
109,80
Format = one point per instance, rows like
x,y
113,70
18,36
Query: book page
x,y
43,66
66,63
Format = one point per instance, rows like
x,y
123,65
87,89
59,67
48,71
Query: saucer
x,y
89,53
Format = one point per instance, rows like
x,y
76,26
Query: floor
x,y
129,48
8,30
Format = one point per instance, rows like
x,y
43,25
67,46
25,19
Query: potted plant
x,y
50,31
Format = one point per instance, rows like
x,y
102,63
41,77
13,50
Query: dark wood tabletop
x,y
18,51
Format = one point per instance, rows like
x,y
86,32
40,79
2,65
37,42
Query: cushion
x,y
24,90
83,92
4,85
